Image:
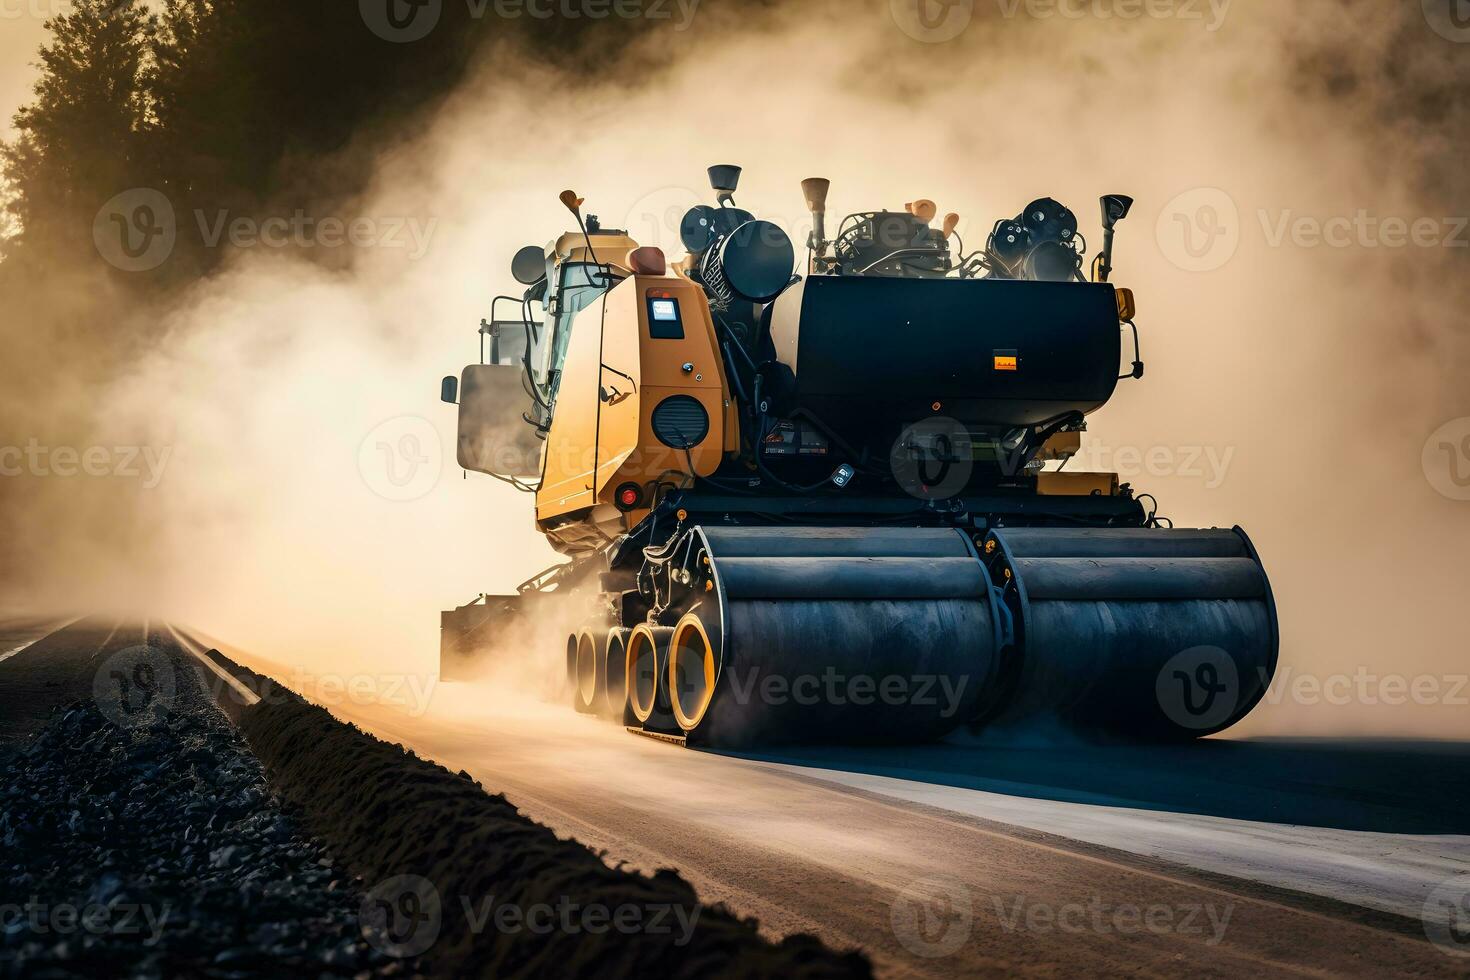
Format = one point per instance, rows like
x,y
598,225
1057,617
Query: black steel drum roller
x,y
833,634
1138,632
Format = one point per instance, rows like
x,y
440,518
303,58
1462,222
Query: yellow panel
x,y
567,481
1063,445
637,371
1064,484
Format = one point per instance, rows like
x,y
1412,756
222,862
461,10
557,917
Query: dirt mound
x,y
478,888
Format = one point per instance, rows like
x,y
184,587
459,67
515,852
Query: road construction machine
x,y
828,499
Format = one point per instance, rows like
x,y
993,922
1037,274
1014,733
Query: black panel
x,y
680,422
888,349
665,320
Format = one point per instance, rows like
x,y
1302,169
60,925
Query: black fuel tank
x,y
988,353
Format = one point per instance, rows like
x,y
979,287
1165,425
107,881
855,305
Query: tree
x,y
84,137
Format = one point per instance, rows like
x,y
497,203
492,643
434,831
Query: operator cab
x,y
574,272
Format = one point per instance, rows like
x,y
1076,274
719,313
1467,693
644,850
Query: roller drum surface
x,y
1147,633
848,670
834,635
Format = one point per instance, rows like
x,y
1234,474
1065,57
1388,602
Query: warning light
x,y
629,496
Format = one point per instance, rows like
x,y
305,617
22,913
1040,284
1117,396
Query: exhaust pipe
x,y
815,190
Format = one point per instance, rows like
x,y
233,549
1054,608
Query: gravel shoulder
x,y
157,823
140,839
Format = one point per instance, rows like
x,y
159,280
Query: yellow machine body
x,y
616,373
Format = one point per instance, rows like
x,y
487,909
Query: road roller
x,y
824,495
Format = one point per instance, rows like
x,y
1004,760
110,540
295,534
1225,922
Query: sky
x,y
22,29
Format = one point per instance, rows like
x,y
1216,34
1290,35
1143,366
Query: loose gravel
x,y
153,848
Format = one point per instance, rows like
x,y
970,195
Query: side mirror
x,y
493,436
529,265
449,390
1115,208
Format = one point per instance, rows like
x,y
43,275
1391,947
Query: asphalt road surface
x,y
1220,858
1217,858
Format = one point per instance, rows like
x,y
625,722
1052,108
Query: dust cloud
x,y
311,510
